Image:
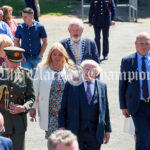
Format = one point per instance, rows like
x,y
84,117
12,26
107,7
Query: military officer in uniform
x,y
101,16
16,96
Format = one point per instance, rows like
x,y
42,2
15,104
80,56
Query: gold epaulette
x,y
22,68
6,100
1,71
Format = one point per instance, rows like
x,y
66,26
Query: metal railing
x,y
133,9
132,4
83,6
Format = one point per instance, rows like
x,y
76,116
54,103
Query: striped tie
x,y
76,50
89,93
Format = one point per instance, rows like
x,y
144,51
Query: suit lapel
x,y
83,48
135,63
100,95
83,93
135,69
70,53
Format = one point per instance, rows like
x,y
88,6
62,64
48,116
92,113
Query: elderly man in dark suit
x,y
84,109
79,48
134,90
5,143
101,16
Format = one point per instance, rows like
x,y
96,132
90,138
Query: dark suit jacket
x,y
69,112
5,143
89,49
129,84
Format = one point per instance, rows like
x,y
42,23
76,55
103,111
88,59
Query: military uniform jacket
x,y
102,12
16,87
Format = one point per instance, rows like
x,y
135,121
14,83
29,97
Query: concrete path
x,y
122,37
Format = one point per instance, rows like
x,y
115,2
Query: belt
x,y
145,100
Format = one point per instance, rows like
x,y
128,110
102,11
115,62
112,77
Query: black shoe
x,y
105,57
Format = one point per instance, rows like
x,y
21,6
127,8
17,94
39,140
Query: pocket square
x,y
94,102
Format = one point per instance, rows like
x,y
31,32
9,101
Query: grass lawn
x,y
51,7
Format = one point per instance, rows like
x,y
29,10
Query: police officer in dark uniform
x,y
101,16
16,96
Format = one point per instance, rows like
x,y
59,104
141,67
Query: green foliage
x,y
17,5
58,7
51,7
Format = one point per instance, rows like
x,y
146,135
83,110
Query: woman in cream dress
x,y
49,82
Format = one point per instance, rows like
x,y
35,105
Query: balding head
x,y
142,36
1,15
1,121
142,43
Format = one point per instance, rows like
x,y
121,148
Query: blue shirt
x,y
4,29
31,38
92,86
147,62
5,143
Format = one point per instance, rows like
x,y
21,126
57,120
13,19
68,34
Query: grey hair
x,y
76,21
91,62
65,137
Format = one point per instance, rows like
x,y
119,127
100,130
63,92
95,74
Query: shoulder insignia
x,y
22,68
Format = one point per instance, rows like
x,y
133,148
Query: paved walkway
x,y
122,38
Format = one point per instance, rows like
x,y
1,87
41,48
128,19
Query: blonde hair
x,y
5,41
6,9
64,137
56,46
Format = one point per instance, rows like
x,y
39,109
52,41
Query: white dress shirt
x,y
92,86
79,47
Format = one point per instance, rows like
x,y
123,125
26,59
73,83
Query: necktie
x,y
76,50
144,79
89,93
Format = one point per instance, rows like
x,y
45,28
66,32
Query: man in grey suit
x,y
134,90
